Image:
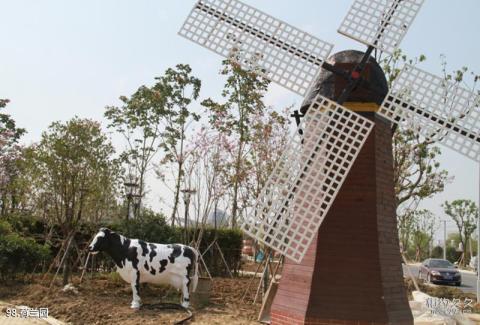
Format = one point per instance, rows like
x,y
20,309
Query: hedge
x,y
150,227
18,254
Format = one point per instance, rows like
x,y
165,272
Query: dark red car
x,y
435,270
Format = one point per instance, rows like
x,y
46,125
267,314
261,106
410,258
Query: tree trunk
x,y
177,193
66,265
179,178
4,205
236,182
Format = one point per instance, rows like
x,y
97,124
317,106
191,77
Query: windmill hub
x,y
355,74
372,85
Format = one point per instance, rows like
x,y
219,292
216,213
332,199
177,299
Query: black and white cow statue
x,y
138,261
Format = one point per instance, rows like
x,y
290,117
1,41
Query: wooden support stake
x,y
54,260
251,281
261,279
61,262
84,267
223,259
205,266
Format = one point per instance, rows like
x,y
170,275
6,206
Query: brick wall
x,y
351,274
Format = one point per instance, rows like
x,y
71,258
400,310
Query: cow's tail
x,y
195,275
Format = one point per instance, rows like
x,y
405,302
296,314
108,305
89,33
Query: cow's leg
x,y
185,293
136,302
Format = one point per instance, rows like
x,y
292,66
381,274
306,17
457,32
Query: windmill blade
x,y
436,109
307,178
280,52
380,23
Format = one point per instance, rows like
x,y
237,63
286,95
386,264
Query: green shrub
x,y
149,226
437,252
230,242
5,228
452,254
18,254
25,224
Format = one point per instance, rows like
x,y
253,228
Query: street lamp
x,y
187,192
130,186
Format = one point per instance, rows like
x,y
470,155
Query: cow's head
x,y
100,241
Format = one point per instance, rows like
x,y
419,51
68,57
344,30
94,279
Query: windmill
x,y
330,137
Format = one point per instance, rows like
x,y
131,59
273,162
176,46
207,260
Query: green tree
x,y
424,226
10,153
73,166
417,172
244,91
138,120
406,225
178,88
270,134
464,213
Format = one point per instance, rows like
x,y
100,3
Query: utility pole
x,y
444,239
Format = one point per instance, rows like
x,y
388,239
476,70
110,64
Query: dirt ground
x,y
105,299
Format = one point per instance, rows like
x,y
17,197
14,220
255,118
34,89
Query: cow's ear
x,y
105,230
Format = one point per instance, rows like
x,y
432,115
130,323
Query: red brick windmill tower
x,y
328,206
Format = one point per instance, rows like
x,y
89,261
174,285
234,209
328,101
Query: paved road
x,y
469,279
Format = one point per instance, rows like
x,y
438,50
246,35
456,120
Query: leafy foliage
x,y
243,91
417,172
138,120
464,213
179,88
19,254
73,166
10,153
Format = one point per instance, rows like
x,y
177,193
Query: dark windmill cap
x,y
331,85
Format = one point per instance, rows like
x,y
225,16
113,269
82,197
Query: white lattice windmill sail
x,y
282,53
307,178
436,109
380,23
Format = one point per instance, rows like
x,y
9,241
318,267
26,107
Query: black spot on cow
x,y
144,247
188,253
177,250
120,252
152,252
146,266
133,257
137,282
152,270
163,265
186,299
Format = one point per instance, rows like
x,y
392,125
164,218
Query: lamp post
x,y
444,239
187,192
130,186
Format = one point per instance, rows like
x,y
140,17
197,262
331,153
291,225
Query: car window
x,y
441,264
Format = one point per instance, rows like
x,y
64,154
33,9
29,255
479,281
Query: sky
x,y
60,59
